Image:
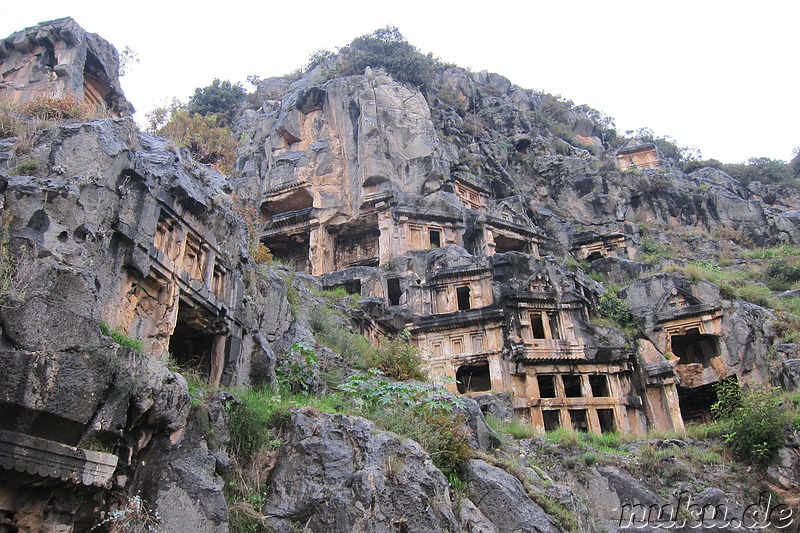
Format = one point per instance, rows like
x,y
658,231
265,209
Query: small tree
x,y
387,48
612,307
751,420
221,98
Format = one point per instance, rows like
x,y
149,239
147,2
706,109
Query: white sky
x,y
719,75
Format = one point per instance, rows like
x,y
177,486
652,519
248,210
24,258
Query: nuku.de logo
x,y
686,513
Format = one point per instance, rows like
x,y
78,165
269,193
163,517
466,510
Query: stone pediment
x,y
49,459
679,303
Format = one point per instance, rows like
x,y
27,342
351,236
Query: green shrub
x,y
589,458
27,168
387,48
564,437
751,420
208,143
221,98
782,273
651,247
420,412
331,330
519,429
612,307
398,359
297,371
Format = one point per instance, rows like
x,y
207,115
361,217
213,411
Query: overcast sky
x,y
718,75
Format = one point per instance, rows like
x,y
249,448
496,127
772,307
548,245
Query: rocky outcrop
x,y
502,498
57,59
337,473
128,234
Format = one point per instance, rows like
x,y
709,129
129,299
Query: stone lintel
x,y
456,319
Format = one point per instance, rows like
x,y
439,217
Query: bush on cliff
x,y
207,142
221,98
751,420
387,48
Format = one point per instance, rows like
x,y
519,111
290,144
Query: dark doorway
x,y
474,378
578,419
537,325
462,293
606,418
552,420
192,344
572,386
696,403
436,238
694,347
547,386
599,385
291,250
393,290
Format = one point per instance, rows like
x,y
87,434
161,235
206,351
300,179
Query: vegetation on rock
x,y
221,98
207,141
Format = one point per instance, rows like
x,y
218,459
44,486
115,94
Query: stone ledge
x,y
45,458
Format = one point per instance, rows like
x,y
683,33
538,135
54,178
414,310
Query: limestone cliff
x,y
466,217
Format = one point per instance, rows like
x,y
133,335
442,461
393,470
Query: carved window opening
x,y
578,419
219,281
551,419
435,238
194,257
572,386
555,326
537,326
694,347
192,344
696,403
474,378
594,256
547,386
504,244
599,386
394,291
606,419
462,294
291,250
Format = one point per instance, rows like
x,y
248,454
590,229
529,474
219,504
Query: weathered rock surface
x,y
503,500
337,473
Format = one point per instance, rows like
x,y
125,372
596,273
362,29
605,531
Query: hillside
x,y
382,294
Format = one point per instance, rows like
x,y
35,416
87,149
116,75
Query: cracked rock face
x,y
337,473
